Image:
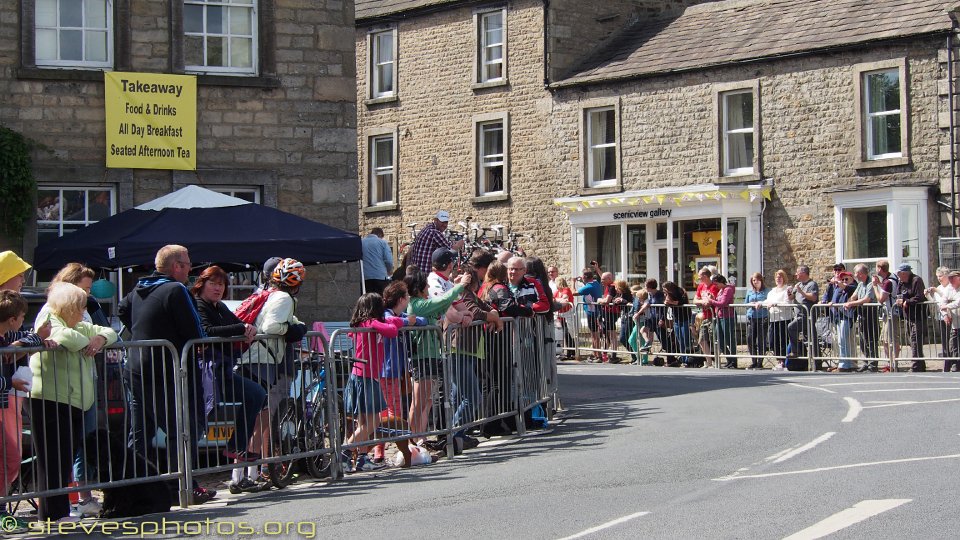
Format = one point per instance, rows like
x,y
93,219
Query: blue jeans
x,y
844,343
80,471
252,398
464,390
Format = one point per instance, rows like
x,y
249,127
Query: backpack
x,y
248,310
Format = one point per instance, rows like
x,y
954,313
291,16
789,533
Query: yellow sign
x,y
151,121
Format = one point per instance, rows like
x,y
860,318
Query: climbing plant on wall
x,y
17,184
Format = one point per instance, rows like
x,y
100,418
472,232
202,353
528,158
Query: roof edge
x,y
587,81
400,14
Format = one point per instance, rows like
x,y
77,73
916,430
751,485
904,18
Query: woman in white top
x,y
781,313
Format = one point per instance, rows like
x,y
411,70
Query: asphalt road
x,y
662,453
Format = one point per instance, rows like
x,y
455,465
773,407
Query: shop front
x,y
669,234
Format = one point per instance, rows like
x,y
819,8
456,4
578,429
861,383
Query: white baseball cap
x,y
442,215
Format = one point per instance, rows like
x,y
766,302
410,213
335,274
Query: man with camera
x,y
805,293
430,239
591,291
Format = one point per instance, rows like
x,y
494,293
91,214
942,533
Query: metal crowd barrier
x,y
820,337
192,414
93,440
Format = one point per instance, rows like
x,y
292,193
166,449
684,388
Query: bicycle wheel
x,y
285,442
317,437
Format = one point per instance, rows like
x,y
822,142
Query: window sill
x,y
738,179
380,208
491,84
380,100
61,74
880,163
240,80
600,190
497,197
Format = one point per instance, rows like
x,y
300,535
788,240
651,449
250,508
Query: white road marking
x,y
877,383
898,403
837,467
606,525
841,520
905,390
783,456
812,387
854,410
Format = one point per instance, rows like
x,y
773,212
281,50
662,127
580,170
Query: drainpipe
x,y
951,96
546,44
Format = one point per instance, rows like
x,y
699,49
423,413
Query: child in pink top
x,y
363,399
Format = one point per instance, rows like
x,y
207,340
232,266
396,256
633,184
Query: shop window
x,y
602,244
62,210
885,223
636,253
72,33
865,233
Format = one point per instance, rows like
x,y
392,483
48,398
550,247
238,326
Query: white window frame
x,y
373,77
73,64
480,123
725,129
375,170
487,159
483,48
60,222
895,200
235,191
254,37
591,147
868,116
864,136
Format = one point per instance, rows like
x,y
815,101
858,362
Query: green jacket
x,y
64,374
428,344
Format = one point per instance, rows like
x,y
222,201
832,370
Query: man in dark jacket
x,y
910,300
161,307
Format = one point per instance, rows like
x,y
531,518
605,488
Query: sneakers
x,y
246,485
13,525
202,495
365,464
88,508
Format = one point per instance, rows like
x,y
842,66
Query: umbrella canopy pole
x,y
363,279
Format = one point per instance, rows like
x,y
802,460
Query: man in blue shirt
x,y
591,291
377,261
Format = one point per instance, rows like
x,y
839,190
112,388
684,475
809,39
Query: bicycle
x,y
302,423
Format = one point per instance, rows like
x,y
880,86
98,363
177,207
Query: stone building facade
x,y
657,137
276,119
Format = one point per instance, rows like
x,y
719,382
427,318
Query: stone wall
x,y
807,123
294,139
807,117
434,114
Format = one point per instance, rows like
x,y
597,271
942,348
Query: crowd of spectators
x,y
853,317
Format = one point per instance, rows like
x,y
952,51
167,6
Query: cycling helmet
x,y
289,272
